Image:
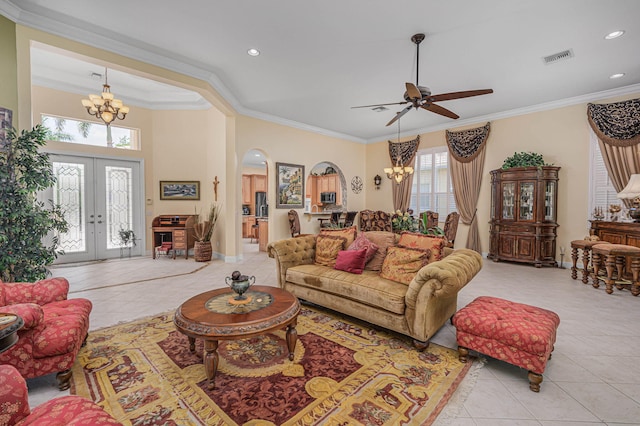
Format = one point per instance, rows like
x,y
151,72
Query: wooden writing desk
x,y
175,228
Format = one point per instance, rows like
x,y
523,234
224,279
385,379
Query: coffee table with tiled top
x,y
218,315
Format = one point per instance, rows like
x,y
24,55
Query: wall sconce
x,y
377,180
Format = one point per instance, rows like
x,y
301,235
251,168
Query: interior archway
x,y
254,201
314,194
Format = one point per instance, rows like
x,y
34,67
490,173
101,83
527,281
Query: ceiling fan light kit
x,y
420,96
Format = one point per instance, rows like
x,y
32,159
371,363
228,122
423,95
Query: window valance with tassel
x,y
616,124
465,145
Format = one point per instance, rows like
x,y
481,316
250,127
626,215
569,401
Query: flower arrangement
x,y
403,222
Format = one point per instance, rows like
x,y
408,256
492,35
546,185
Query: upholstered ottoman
x,y
516,333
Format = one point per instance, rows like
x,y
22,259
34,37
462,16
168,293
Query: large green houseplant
x,y
25,221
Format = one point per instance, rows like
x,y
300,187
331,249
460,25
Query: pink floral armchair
x,y
63,411
54,328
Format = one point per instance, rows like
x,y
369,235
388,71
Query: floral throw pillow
x,y
327,249
351,261
401,264
362,242
423,242
348,233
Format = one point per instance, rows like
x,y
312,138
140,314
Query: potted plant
x,y
524,159
202,232
127,240
403,222
25,253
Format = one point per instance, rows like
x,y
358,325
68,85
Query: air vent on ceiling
x,y
557,57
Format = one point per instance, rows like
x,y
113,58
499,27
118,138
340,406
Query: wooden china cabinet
x,y
523,215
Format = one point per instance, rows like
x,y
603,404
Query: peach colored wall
x,y
8,70
560,135
175,145
288,145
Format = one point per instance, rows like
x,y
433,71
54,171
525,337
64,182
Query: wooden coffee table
x,y
217,315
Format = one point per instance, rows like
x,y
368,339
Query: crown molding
x,y
75,30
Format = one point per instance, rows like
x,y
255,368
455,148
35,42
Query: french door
x,y
100,197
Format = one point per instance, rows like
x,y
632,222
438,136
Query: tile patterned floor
x,y
592,379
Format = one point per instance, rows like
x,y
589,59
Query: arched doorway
x,y
254,201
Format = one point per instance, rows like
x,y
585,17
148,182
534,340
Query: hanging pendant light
x,y
398,172
105,107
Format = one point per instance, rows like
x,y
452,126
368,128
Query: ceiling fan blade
x,y
375,105
440,110
399,114
413,91
458,95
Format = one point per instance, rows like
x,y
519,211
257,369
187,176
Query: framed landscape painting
x,y
290,185
179,190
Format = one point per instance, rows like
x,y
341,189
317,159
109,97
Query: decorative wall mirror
x,y
326,188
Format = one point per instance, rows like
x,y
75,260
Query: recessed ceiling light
x,y
253,52
614,34
618,75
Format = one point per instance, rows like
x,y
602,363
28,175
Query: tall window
x,y
601,191
88,133
432,188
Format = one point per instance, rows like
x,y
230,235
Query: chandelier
x,y
105,107
398,172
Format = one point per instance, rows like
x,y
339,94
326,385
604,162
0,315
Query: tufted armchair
x,y
54,328
63,411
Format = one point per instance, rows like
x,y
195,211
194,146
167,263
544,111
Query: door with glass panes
x,y
101,199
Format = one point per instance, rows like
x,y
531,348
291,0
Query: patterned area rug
x,y
343,373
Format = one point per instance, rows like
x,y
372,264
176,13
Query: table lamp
x,y
632,192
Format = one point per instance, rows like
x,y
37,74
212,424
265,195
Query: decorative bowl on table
x,y
240,284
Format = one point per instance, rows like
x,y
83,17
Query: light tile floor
x,y
593,377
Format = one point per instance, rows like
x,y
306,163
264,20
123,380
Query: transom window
x,y
88,132
432,188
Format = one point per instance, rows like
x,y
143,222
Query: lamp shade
x,y
632,190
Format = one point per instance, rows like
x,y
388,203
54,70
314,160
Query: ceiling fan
x,y
420,96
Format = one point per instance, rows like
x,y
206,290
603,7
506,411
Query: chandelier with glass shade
x,y
106,107
398,172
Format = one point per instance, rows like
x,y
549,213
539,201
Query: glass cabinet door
x,y
526,201
549,201
508,200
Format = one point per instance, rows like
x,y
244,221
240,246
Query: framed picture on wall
x,y
290,186
179,189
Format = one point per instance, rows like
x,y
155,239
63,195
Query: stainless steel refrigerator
x,y
262,208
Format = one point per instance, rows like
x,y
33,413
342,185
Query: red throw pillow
x,y
351,261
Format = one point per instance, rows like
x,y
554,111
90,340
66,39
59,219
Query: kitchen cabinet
x,y
259,183
523,225
246,189
247,224
250,185
326,183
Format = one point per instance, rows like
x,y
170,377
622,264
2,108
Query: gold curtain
x,y
617,126
467,149
406,151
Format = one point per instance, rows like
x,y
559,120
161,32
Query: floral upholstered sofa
x,y
68,410
53,331
402,287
